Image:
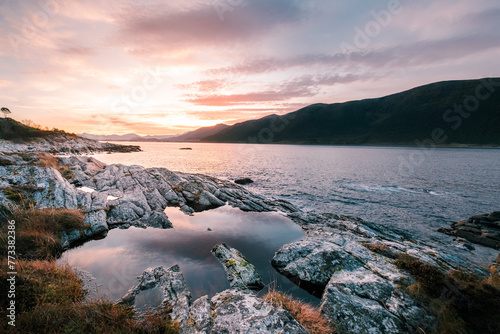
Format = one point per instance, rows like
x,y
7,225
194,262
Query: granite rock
x,y
241,274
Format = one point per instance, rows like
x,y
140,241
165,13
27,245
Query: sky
x,y
167,67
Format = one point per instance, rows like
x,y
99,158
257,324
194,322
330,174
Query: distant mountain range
x,y
465,112
448,113
195,135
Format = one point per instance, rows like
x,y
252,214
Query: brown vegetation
x,y
381,249
177,188
309,317
38,231
462,302
48,160
48,300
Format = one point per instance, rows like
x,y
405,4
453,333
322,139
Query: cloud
x,y
77,51
421,53
204,86
167,30
304,86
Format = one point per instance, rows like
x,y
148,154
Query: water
x,y
123,255
406,188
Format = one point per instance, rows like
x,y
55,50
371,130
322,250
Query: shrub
x,y
462,302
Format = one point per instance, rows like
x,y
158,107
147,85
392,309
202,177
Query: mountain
x,y
200,133
195,135
128,136
463,112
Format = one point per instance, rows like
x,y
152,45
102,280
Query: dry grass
x,y
38,231
48,300
48,160
309,317
48,296
96,317
41,283
462,302
381,249
177,188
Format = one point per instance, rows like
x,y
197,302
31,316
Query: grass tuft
x,y
309,317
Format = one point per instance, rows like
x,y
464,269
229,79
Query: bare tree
x,y
5,111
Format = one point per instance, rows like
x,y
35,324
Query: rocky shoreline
x,y
480,229
347,262
64,144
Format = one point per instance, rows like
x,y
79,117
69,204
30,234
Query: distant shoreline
x,y
311,144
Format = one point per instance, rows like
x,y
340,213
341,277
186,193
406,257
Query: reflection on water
x,y
123,255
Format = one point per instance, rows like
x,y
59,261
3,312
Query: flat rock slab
x,y
241,274
236,311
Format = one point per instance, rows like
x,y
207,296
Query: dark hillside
x,y
398,119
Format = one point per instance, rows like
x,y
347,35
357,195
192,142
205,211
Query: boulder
x,y
361,302
243,181
44,185
176,294
311,262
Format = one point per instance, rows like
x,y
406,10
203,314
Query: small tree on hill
x,y
5,111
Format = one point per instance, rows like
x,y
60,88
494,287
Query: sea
x,y
416,190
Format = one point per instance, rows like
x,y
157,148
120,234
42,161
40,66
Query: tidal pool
x,y
124,254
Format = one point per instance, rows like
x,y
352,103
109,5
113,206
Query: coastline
x,y
382,145
347,249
